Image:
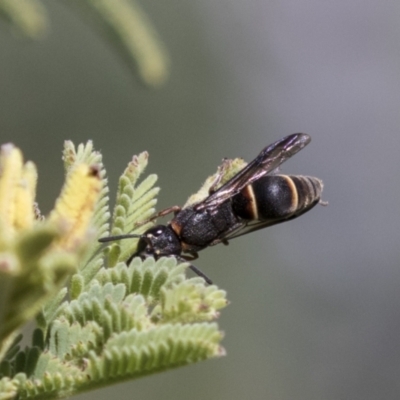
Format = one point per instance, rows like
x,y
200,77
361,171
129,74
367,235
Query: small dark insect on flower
x,y
256,197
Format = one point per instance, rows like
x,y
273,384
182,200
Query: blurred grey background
x,y
315,303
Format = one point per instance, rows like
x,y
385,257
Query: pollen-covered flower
x,y
74,207
38,254
17,192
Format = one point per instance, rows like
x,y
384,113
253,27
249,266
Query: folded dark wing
x,y
270,158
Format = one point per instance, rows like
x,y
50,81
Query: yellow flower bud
x,y
74,207
17,191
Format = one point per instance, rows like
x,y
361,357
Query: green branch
x,y
112,322
122,22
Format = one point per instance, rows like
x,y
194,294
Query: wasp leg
x,y
225,242
131,257
215,184
201,274
193,256
193,268
220,174
162,213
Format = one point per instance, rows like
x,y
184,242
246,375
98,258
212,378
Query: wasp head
x,y
159,241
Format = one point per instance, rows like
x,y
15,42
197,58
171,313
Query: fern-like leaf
x,y
28,16
145,277
113,322
134,204
134,354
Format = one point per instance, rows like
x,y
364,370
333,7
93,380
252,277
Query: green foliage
x,y
134,204
28,16
123,23
114,321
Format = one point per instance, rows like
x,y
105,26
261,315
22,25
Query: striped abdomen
x,y
277,197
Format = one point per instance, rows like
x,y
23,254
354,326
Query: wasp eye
x,y
156,232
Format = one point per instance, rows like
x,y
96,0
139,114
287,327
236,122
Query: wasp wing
x,y
269,159
244,228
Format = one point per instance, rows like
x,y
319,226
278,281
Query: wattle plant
x,y
99,321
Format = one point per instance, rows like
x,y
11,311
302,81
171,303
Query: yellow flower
x,y
74,207
73,210
17,192
37,255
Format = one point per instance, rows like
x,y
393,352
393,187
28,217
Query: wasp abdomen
x,y
309,190
277,197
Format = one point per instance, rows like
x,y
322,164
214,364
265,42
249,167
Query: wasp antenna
x,y
119,237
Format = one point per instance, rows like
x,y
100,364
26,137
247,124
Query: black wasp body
x,y
254,198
